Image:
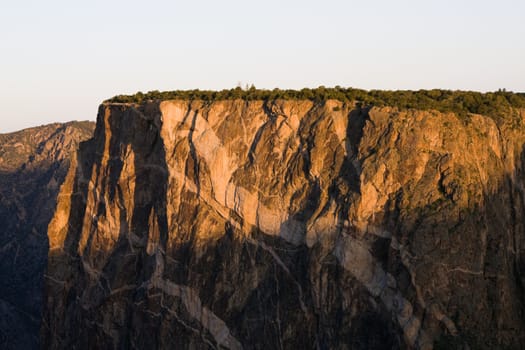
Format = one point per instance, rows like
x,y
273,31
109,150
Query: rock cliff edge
x,y
289,224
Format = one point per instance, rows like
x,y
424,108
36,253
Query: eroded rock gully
x,y
289,224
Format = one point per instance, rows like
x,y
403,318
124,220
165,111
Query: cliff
x,y
33,164
289,224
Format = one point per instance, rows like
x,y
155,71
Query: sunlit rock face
x,y
33,164
289,224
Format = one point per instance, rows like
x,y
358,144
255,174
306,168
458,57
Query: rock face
x,y
289,224
33,164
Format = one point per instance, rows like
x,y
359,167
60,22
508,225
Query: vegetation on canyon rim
x,y
494,104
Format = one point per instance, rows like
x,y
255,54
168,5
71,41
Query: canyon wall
x,y
289,224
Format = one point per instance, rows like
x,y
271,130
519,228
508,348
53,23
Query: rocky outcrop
x,y
33,164
289,224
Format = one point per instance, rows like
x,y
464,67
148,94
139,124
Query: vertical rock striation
x,y
289,224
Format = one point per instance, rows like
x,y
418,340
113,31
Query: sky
x,y
60,59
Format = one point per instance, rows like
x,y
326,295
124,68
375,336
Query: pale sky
x,y
59,59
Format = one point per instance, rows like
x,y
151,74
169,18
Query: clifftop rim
x,y
495,104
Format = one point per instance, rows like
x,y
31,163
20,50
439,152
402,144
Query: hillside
x,y
33,164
